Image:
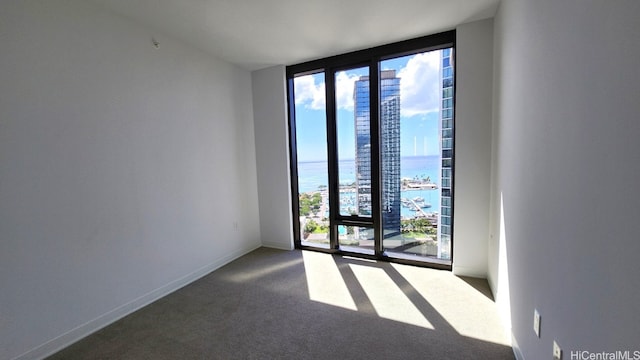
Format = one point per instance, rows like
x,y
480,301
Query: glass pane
x,y
356,239
311,150
416,132
354,141
390,151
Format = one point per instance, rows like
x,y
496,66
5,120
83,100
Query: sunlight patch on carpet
x,y
387,298
256,273
325,282
463,307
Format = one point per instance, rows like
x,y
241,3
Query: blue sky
x,y
419,99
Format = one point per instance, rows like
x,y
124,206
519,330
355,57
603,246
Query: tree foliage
x,y
420,225
309,203
310,226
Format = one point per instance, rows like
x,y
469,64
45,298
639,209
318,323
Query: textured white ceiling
x,y
260,33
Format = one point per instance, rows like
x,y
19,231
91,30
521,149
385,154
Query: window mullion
x,y
332,154
374,115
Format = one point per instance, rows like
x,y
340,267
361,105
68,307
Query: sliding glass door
x,y
372,152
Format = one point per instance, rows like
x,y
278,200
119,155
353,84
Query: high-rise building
x,y
363,145
389,149
446,150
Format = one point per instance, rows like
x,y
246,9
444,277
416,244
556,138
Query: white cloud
x,y
308,93
344,90
419,87
419,84
312,95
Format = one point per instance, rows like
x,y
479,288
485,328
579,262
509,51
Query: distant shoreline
x,y
345,160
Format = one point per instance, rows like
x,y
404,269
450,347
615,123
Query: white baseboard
x,y
277,245
58,343
516,348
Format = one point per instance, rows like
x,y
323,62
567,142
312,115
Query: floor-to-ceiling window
x,y
372,149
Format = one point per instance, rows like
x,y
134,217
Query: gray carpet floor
x,y
272,304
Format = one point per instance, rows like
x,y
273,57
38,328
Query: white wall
x,y
474,69
122,170
568,168
272,157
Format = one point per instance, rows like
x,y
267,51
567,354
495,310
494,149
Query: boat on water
x,y
421,185
421,203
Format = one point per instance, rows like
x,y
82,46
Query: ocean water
x,y
312,175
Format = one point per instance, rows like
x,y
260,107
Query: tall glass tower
x,y
446,149
363,145
389,148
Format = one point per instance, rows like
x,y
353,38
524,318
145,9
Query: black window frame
x,y
371,58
